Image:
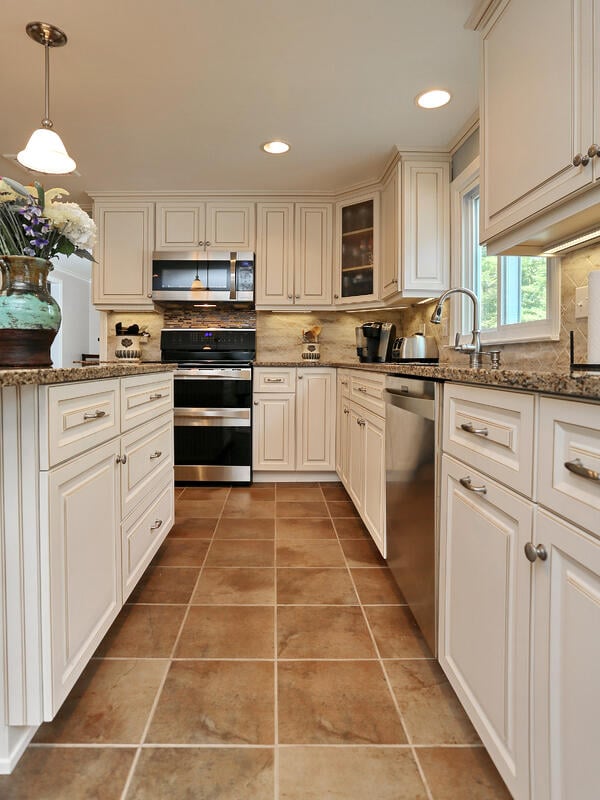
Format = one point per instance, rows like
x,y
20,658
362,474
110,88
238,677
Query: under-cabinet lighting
x,y
425,301
369,310
572,243
434,98
205,305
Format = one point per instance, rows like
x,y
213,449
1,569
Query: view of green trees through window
x,y
523,291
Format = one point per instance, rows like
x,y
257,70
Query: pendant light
x,y
45,151
197,283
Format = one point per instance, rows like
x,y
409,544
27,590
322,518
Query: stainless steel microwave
x,y
197,276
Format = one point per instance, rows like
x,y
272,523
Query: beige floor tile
x,y
301,510
298,485
249,509
290,528
165,585
203,774
309,554
296,494
109,704
336,702
229,528
348,773
187,509
143,632
315,585
236,585
377,586
227,632
215,702
194,528
396,632
466,773
181,553
342,508
326,632
334,492
236,553
430,709
362,553
351,528
205,493
74,773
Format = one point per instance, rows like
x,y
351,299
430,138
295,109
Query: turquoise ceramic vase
x,y
29,316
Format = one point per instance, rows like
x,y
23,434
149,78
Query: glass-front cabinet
x,y
358,249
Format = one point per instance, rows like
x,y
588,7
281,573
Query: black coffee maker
x,y
374,342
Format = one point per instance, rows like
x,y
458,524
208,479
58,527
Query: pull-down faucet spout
x,y
474,349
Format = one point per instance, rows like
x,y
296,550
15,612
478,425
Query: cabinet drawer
x,y
491,430
75,417
271,379
570,434
147,456
144,397
142,536
343,383
367,390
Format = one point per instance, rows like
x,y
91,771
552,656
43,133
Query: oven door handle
x,y
213,417
216,375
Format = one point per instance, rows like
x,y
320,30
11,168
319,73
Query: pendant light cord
x,y
47,122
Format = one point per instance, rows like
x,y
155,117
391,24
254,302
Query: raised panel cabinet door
x,y
313,264
426,227
484,612
342,427
536,106
356,456
275,254
389,280
84,566
179,226
230,226
273,429
122,276
315,419
373,512
566,654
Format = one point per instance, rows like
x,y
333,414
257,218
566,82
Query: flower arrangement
x,y
33,223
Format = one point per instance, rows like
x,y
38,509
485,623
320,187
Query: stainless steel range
x,y
213,402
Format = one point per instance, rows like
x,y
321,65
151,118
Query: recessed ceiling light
x,y
433,99
275,148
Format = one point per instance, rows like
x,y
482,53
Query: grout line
x,y
276,772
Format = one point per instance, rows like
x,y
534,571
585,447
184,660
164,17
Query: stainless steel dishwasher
x,y
412,411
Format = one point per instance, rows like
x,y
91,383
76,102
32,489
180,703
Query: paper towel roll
x,y
593,351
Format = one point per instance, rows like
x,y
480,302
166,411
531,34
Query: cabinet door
x,y
566,653
373,511
536,108
84,579
180,226
342,427
312,257
275,254
123,272
484,613
315,419
273,432
356,453
390,218
357,249
230,226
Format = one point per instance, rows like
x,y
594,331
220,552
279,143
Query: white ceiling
x,y
179,94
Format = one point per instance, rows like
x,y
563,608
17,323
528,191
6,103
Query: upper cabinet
x,y
293,254
186,225
357,254
540,121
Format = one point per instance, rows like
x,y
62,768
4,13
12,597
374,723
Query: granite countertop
x,y
19,377
558,383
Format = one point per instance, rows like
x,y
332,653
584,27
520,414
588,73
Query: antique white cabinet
x,y
357,254
190,224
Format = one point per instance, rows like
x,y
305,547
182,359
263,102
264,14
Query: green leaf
x,y
40,193
17,187
85,254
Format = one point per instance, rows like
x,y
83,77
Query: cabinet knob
x,y
300,377
149,294
360,422
256,402
121,459
297,297
201,244
581,160
336,297
533,552
290,297
593,150
207,244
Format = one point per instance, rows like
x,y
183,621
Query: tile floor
x,y
265,655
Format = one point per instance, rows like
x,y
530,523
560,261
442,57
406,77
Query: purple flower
x,y
30,230
28,251
38,242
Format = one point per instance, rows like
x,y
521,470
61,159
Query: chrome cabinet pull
x,y
121,459
468,427
581,160
157,524
156,396
466,482
533,552
156,454
273,380
578,468
93,415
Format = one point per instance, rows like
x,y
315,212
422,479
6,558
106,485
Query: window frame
x,y
463,256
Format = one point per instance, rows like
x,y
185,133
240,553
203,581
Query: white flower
x,y
73,223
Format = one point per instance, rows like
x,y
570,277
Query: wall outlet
x,y
581,302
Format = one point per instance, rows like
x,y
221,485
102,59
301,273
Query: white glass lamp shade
x,y
46,153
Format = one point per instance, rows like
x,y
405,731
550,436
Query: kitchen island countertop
x,y
558,383
20,377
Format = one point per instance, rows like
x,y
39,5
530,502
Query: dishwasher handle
x,y
421,406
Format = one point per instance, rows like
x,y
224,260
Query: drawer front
x,y
143,535
76,417
146,452
343,383
271,379
570,435
368,390
144,397
493,431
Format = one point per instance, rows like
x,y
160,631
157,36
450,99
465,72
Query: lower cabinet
x,y
274,431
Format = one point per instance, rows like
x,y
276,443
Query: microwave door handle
x,y
232,266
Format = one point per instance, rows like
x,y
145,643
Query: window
x,y
518,295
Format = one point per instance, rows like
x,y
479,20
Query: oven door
x,y
213,432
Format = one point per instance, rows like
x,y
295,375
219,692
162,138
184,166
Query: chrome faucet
x,y
474,349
